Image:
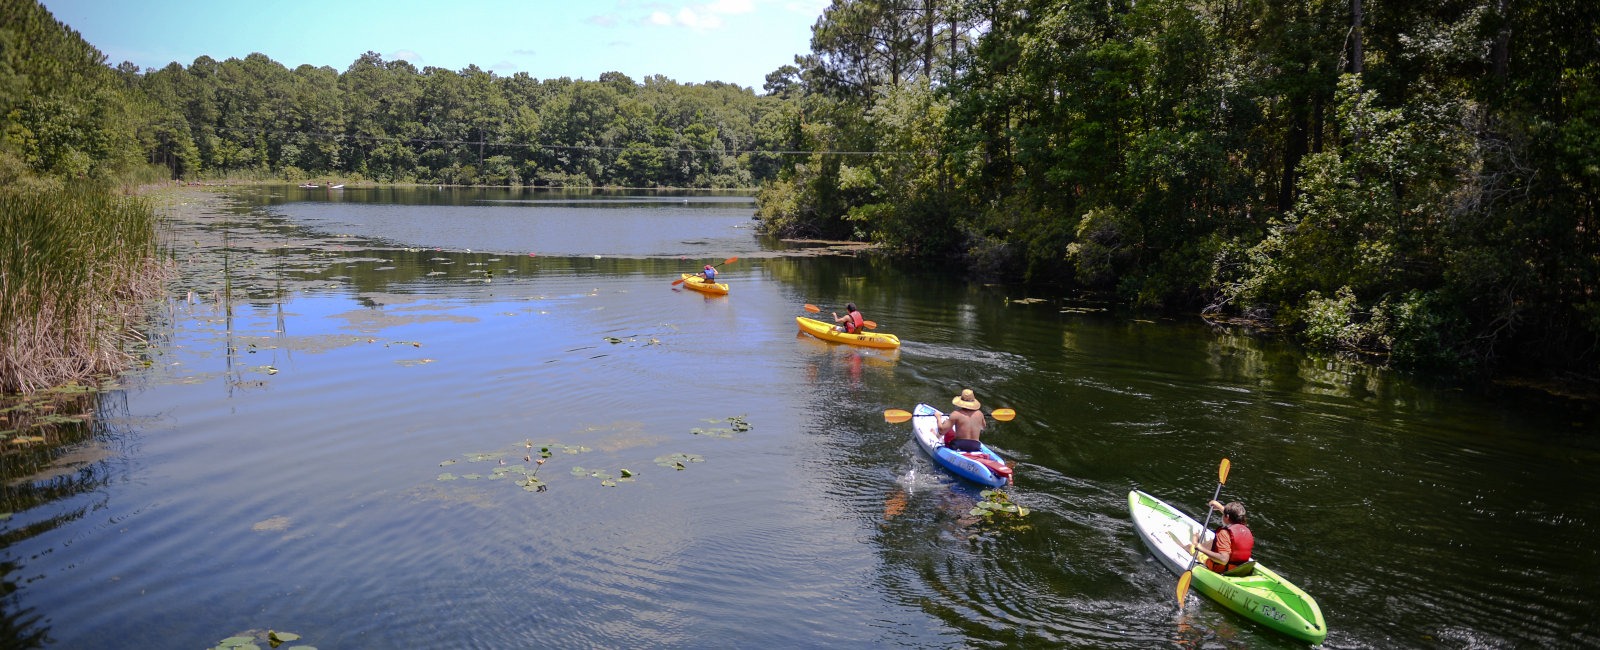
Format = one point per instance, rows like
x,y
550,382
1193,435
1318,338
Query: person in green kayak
x,y
1232,543
962,427
852,320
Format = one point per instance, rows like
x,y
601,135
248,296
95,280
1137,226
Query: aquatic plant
x,y
76,268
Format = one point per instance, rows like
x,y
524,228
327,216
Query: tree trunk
x,y
1355,32
927,41
1502,42
1294,148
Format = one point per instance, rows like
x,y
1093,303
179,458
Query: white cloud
x,y
407,55
606,20
808,7
503,65
701,18
660,18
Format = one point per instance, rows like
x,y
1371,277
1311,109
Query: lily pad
x,y
472,477
474,458
602,475
447,476
448,462
282,636
579,471
497,476
235,641
613,340
608,483
626,480
626,473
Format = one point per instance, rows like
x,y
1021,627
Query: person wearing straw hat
x,y
962,427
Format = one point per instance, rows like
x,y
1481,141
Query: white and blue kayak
x,y
925,424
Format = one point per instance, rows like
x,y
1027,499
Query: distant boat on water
x,y
308,185
336,187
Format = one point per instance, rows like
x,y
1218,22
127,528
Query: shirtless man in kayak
x,y
962,428
1232,544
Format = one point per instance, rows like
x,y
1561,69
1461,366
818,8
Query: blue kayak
x,y
925,425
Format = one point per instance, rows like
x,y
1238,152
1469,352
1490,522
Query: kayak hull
x,y
925,428
826,332
1263,596
698,283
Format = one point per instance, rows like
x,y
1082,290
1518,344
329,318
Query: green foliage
x,y
389,121
1440,205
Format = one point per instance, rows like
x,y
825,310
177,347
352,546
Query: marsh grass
x,y
77,266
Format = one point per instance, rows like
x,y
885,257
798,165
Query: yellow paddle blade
x,y
1004,415
896,416
1222,472
1183,587
813,308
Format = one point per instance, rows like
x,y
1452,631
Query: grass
x,y
77,265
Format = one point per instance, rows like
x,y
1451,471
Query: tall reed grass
x,y
77,265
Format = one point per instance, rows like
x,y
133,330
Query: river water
x,y
279,464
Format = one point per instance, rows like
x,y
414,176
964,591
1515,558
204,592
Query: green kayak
x,y
1259,595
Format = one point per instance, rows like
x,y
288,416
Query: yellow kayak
x,y
698,283
826,332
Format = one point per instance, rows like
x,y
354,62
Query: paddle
x,y
726,261
866,323
1188,574
896,416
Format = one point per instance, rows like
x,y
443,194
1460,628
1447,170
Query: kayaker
x,y
852,320
962,427
1232,543
710,274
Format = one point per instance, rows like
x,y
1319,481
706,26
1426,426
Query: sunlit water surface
x,y
309,499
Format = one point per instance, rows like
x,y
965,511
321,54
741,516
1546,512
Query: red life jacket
x,y
856,321
1243,543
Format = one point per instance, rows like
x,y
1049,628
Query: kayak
x,y
826,332
698,283
1260,595
925,427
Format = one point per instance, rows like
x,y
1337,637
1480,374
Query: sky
x,y
736,41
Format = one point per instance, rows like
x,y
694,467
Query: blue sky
x,y
737,41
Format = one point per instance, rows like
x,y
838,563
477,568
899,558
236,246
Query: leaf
x,y
498,476
613,340
602,475
986,493
711,420
679,466
570,451
234,641
585,449
300,647
608,483
448,462
282,636
661,459
626,473
1023,512
978,512
472,477
625,480
447,476
579,471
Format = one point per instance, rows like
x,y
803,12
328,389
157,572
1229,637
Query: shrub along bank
x,y
1417,179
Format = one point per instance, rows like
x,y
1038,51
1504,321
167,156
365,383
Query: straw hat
x,y
966,400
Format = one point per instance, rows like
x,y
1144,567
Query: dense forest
x,y
1412,178
389,121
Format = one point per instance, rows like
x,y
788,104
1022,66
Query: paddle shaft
x,y
1194,555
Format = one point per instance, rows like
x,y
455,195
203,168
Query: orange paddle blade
x,y
813,308
869,324
1222,472
678,281
1004,415
730,260
896,416
1183,587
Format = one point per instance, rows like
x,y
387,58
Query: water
x,y
231,498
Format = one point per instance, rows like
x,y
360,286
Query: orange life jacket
x,y
1243,543
856,321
